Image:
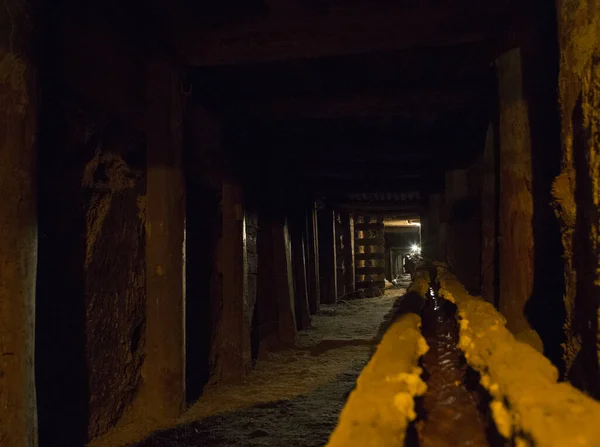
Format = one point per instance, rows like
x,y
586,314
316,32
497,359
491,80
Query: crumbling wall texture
x,y
577,188
114,273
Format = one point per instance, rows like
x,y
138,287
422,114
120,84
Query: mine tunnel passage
x,y
211,212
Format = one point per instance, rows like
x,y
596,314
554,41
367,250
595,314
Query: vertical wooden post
x,y
347,238
164,368
231,349
340,261
275,301
516,201
312,260
352,272
18,231
300,279
284,284
488,218
327,256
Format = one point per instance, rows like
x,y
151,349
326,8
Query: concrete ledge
x,y
379,410
528,406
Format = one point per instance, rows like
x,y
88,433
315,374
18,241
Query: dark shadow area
x,y
60,334
465,222
201,240
584,373
495,117
545,309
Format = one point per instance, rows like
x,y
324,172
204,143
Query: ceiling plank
x,y
367,104
271,37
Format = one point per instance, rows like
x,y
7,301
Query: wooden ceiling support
x,y
351,30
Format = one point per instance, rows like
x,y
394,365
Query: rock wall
x,y
577,188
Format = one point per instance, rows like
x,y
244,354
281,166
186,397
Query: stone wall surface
x,y
577,188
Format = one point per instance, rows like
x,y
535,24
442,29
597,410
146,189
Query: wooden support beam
x,y
386,207
349,30
392,151
327,256
276,318
312,259
164,367
347,250
367,104
231,351
18,230
339,252
297,228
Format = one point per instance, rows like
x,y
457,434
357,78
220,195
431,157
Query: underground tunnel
x,y
299,223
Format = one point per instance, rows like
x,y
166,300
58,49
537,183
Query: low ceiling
x,y
360,102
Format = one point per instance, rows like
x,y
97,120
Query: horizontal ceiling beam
x,y
351,30
344,187
315,154
380,206
367,104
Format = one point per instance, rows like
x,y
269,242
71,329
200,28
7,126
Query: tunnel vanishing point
x,y
184,183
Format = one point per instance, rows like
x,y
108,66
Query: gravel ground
x,y
293,398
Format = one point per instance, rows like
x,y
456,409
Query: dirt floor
x,y
292,398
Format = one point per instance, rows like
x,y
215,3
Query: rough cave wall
x,y
577,188
91,281
516,247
